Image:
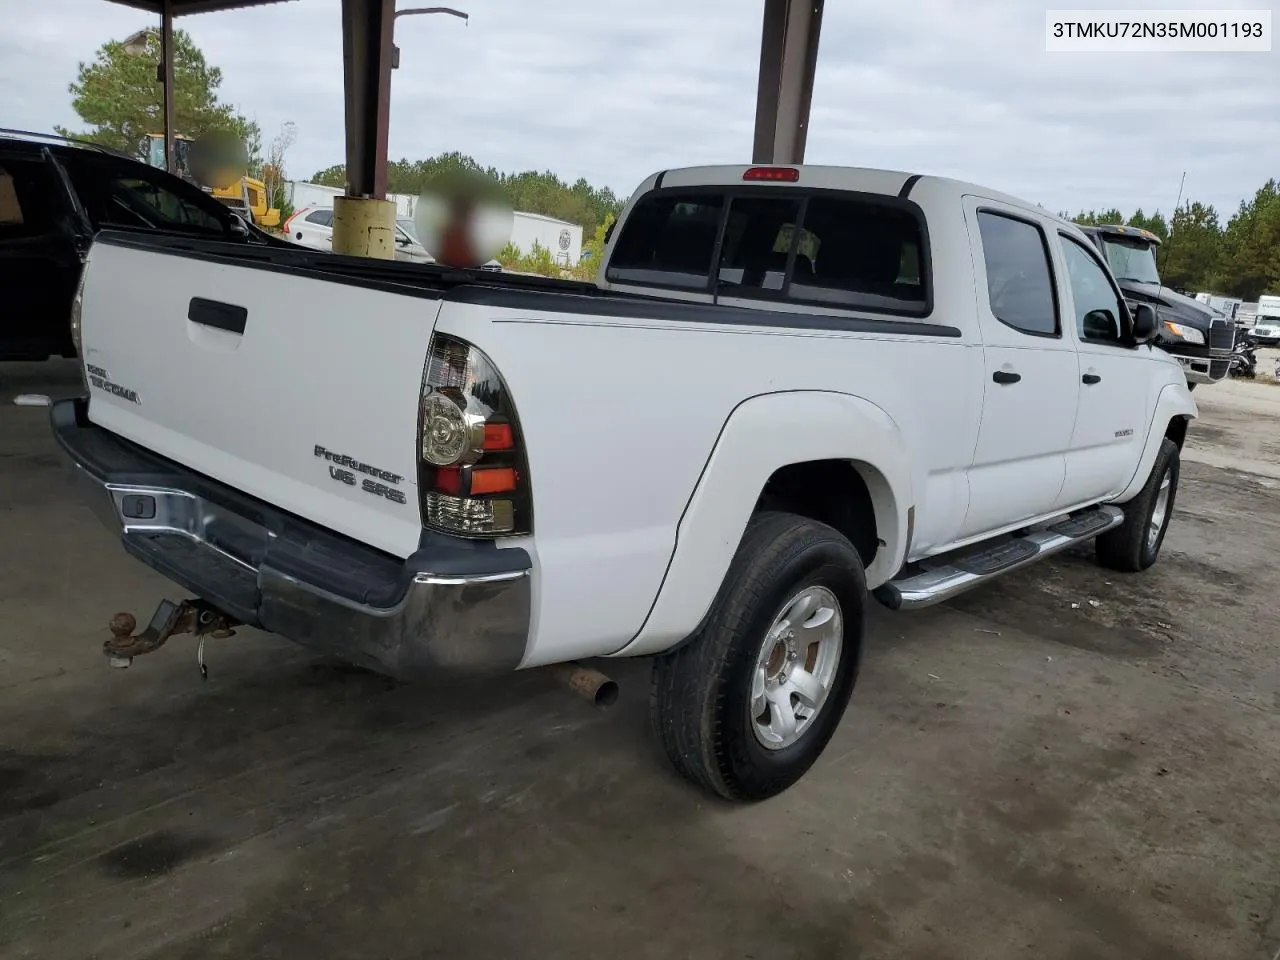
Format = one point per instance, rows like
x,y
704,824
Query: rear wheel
x,y
1135,544
748,704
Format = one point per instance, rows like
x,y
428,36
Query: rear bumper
x,y
453,606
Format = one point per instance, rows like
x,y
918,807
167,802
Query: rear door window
x,y
323,218
668,240
1019,277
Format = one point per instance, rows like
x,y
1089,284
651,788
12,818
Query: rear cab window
x,y
669,240
863,254
822,248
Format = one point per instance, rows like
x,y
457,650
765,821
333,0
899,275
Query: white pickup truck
x,y
789,390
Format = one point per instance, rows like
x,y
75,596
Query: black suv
x,y
55,194
1200,337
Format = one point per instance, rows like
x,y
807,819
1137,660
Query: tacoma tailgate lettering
x,y
102,380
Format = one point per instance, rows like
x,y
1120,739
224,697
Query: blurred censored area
x,y
463,218
217,159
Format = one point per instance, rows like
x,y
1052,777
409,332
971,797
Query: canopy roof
x,y
182,7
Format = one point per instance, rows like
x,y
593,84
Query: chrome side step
x,y
941,578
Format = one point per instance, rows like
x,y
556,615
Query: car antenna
x,y
1177,204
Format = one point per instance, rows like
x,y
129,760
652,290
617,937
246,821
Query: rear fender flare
x,y
760,436
1174,401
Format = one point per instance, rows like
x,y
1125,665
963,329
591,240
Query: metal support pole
x,y
367,52
166,54
772,37
364,220
788,62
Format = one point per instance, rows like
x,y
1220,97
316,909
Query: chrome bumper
x,y
453,606
1204,369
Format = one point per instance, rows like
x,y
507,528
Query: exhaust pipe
x,y
587,683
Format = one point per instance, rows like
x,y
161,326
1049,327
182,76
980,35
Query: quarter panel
x,y
620,416
806,426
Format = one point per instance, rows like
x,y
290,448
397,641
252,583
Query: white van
x,y
1266,328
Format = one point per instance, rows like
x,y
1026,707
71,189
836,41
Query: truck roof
x,y
899,183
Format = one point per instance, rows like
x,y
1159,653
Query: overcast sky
x,y
614,91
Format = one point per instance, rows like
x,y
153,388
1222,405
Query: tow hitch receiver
x,y
191,616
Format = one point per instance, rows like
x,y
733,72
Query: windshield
x,y
410,228
1131,260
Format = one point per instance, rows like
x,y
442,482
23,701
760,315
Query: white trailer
x,y
1227,306
562,239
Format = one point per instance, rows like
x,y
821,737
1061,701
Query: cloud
x,y
614,91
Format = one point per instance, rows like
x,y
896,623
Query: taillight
x,y
284,227
473,476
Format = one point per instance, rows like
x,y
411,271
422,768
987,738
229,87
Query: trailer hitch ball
x,y
122,625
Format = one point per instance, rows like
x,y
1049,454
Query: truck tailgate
x,y
296,389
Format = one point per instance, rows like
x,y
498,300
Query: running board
x,y
941,578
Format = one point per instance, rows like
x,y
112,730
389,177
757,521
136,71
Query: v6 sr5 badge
x,y
347,470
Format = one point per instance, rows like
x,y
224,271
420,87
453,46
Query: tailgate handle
x,y
215,313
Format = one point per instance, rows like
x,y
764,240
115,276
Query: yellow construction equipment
x,y
246,195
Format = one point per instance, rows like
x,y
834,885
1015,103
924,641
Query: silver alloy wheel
x,y
796,667
1160,511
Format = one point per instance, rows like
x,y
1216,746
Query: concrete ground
x,y
1067,764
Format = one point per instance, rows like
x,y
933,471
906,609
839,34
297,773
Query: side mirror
x,y
402,240
1145,323
1101,325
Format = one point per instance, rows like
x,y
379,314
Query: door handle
x,y
1004,376
1091,378
214,313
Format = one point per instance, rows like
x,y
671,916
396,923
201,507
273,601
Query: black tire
x,y
1129,547
700,694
